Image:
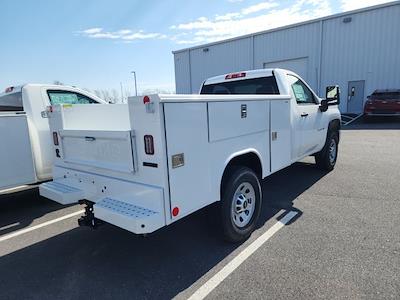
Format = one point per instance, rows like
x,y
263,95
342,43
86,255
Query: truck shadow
x,y
19,209
112,263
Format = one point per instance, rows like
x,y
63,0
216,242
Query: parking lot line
x,y
214,281
9,226
15,189
23,231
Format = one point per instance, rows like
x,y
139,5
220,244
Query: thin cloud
x,y
347,5
125,35
262,16
92,30
259,7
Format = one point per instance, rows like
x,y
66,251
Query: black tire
x,y
325,159
240,177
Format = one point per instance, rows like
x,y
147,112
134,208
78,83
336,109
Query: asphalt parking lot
x,y
343,243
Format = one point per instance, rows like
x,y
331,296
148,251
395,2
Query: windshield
x,y
11,102
386,96
258,86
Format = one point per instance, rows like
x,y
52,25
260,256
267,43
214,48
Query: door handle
x,y
304,114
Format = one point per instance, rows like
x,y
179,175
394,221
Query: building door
x,y
297,65
355,99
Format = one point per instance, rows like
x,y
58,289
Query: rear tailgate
x,y
97,160
112,150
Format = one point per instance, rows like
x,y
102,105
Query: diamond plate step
x,y
60,192
129,216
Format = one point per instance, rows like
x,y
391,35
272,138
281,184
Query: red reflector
x,y
55,138
175,211
146,99
148,145
235,75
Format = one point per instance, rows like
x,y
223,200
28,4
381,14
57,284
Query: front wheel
x,y
326,159
241,204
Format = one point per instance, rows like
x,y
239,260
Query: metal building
x,y
359,50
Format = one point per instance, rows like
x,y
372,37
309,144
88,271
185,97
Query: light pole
x,y
134,74
122,93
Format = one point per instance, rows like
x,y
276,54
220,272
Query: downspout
x,y
321,28
190,73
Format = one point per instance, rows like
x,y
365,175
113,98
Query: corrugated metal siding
x,y
290,44
367,48
219,59
182,72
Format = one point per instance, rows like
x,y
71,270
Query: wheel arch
x,y
250,158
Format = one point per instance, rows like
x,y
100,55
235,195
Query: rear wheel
x,y
241,204
326,158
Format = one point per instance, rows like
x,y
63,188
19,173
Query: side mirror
x,y
324,105
333,95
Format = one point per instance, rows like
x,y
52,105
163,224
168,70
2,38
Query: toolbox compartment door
x,y
280,134
189,176
111,150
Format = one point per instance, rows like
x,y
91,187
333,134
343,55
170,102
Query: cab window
x,y
256,86
301,92
67,97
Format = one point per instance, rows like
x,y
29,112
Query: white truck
x,y
176,154
26,151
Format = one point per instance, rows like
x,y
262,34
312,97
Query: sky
x,y
96,44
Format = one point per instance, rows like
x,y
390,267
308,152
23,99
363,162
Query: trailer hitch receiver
x,y
88,218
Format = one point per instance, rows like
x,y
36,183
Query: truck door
x,y
307,119
16,159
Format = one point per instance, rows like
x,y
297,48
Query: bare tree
x,y
115,96
155,91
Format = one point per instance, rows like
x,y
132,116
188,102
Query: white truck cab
x,y
176,154
308,122
26,151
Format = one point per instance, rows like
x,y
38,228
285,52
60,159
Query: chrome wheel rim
x,y
243,204
332,151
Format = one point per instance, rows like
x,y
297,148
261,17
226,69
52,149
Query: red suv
x,y
383,103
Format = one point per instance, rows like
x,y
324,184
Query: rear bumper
x,y
136,207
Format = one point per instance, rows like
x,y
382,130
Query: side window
x,y
66,97
301,92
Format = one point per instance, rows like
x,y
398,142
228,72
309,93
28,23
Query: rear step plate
x,y
128,216
60,192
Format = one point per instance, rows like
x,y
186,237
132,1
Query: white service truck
x,y
26,151
176,154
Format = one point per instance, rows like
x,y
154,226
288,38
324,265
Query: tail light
x,y
55,139
146,99
149,144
